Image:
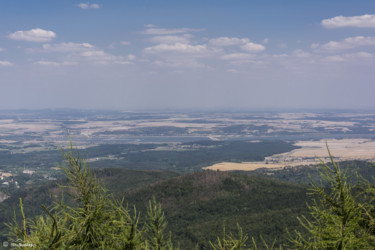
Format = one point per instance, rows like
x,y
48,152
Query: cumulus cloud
x,y
301,54
75,53
364,21
234,71
336,58
47,63
86,6
33,35
228,41
5,63
179,63
176,51
171,39
244,43
131,57
54,64
101,57
163,31
181,50
237,56
176,47
349,57
253,47
67,47
360,55
125,43
347,43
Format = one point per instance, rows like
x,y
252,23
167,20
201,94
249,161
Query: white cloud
x,y
301,54
349,57
234,71
77,53
347,43
33,35
98,53
278,56
150,25
228,41
101,57
179,63
55,64
360,55
125,43
176,47
47,63
131,57
67,47
237,56
5,63
171,39
253,47
163,31
364,21
86,6
177,55
334,59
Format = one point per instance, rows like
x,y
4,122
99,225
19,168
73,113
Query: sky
x,y
187,55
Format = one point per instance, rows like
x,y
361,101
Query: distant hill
x,y
306,174
196,205
117,181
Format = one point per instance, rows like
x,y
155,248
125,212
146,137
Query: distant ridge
x,y
196,205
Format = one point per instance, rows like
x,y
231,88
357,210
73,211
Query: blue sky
x,y
197,54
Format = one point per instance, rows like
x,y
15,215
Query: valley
x,y
262,162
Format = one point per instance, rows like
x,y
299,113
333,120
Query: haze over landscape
x,y
195,54
156,124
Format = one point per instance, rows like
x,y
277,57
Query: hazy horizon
x,y
182,111
187,55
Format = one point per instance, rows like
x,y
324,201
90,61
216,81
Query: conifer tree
x,y
339,213
155,227
95,220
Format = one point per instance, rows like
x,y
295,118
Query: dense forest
x,y
131,209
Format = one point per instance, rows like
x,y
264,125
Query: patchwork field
x,y
342,150
350,135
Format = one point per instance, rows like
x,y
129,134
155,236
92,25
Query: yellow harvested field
x,y
250,166
244,166
345,149
342,150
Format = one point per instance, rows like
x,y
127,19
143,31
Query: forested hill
x,y
116,180
197,205
308,174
